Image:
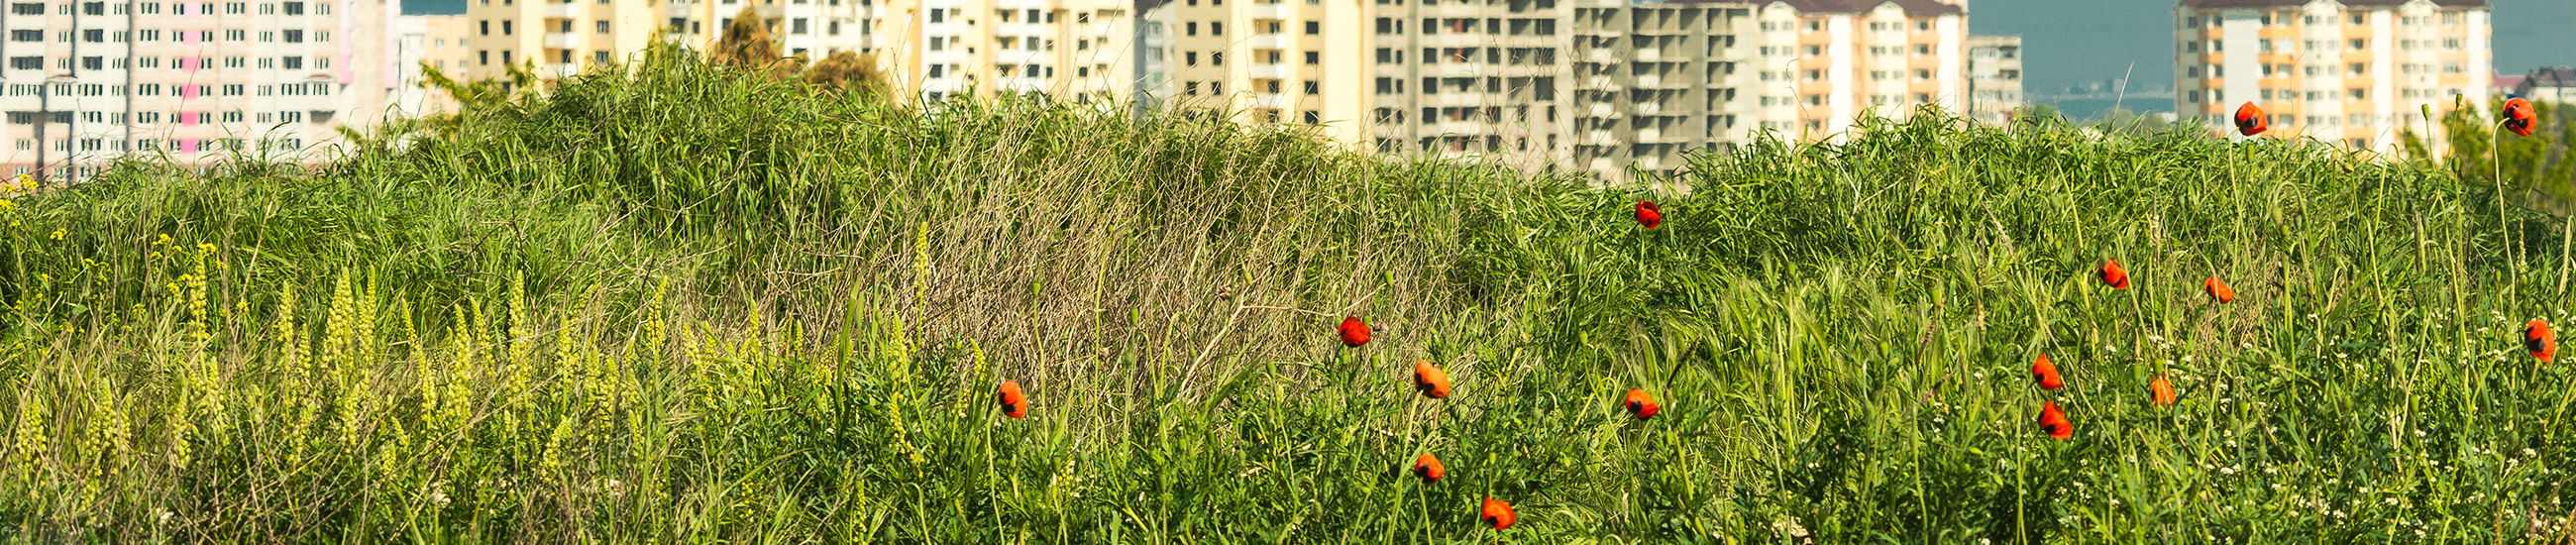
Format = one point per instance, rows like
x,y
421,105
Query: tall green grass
x,y
681,304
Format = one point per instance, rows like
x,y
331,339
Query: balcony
x,y
1271,40
1270,71
564,10
563,40
1274,101
1282,10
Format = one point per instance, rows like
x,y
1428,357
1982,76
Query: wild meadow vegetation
x,y
682,305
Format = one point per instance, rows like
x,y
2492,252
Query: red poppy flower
x,y
2114,276
1428,468
2537,338
2218,290
2160,392
1649,215
1014,404
2250,120
1430,380
1496,514
1641,405
2054,421
2046,374
1354,332
2519,117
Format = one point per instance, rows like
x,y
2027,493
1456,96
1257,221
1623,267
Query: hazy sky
x,y
2070,42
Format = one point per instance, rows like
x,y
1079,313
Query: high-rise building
x,y
91,81
1070,49
1604,86
1994,78
2351,72
426,41
1654,82
558,37
1271,61
1826,63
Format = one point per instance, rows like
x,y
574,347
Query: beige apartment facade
x,y
2350,72
195,82
559,38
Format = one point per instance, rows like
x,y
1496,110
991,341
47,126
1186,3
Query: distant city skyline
x,y
2070,44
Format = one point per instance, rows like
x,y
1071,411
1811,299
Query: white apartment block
x,y
1823,64
90,81
1994,79
2351,72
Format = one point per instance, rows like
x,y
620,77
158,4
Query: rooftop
x,y
2225,4
1915,8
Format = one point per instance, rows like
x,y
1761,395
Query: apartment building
x,y
1994,79
87,82
1825,63
558,37
1653,82
426,41
931,48
2350,72
1270,61
1610,87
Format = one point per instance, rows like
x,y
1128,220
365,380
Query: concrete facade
x,y
87,82
2349,72
1994,79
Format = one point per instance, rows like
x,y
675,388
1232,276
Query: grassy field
x,y
678,306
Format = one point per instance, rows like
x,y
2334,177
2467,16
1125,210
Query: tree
x,y
2535,171
746,43
847,70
